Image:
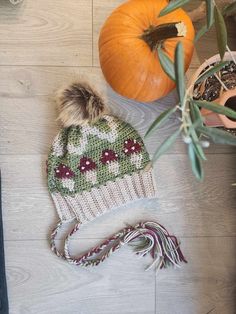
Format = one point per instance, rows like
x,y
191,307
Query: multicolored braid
x,y
163,247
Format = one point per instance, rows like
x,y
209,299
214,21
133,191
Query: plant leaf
x,y
199,151
212,106
179,71
173,5
218,136
195,162
160,120
221,32
195,139
166,63
195,112
229,9
200,33
211,71
165,145
197,119
209,12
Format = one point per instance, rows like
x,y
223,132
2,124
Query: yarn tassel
x,y
145,237
163,247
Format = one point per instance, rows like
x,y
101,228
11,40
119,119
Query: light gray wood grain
x,y
205,285
34,118
30,81
46,33
183,205
40,283
101,10
44,44
120,284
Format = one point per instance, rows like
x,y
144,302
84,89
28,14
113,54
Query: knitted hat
x,y
98,162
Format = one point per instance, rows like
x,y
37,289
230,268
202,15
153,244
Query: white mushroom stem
x,y
68,183
136,159
91,176
113,167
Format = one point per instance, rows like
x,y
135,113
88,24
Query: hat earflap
x,y
79,104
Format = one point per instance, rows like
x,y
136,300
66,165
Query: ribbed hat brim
x,y
88,205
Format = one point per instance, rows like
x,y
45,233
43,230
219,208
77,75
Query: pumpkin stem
x,y
155,35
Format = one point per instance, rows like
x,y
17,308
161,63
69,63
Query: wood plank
x,y
30,81
185,207
39,282
205,285
101,10
46,33
27,109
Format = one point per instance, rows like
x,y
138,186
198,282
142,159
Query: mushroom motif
x,y
66,175
88,167
133,149
110,158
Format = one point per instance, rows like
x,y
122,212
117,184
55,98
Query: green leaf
x,y
218,136
212,106
173,5
209,12
197,119
195,141
160,120
229,9
200,33
179,71
195,112
165,145
195,163
211,71
199,151
221,32
166,63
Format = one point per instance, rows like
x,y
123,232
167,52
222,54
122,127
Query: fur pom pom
x,y
79,104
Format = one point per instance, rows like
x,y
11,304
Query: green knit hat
x,y
98,162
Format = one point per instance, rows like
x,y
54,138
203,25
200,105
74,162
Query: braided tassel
x,y
163,247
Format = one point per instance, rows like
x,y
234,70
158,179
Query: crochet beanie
x,y
98,162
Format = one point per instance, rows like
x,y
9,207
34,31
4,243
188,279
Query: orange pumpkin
x,y
127,48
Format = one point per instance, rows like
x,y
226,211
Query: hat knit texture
x,y
96,165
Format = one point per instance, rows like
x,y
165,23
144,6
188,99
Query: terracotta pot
x,y
227,98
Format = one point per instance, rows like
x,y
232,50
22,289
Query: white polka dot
x,y
126,150
67,173
57,171
63,167
135,141
133,148
107,161
116,155
87,162
82,168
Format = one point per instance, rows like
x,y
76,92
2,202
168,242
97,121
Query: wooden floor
x,y
42,45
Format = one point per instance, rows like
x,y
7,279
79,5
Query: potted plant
x,y
220,88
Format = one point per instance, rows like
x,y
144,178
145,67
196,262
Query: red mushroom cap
x,y
108,155
131,146
86,164
64,172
